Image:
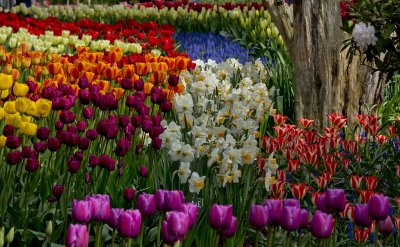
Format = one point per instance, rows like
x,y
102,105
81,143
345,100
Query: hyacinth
x,y
364,35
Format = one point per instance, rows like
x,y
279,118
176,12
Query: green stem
x,y
98,235
270,238
141,233
217,241
287,242
66,202
256,240
129,242
376,234
159,231
114,233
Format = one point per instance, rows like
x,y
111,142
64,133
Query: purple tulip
x,y
43,133
143,110
173,80
361,215
146,203
121,164
191,210
230,230
291,203
115,213
8,130
304,218
81,126
138,85
77,236
378,207
129,223
166,237
122,147
220,216
58,190
83,143
87,112
147,125
73,165
386,226
67,117
156,143
129,193
13,142
138,149
93,160
274,207
335,199
40,147
143,171
258,216
27,153
87,177
106,162
290,218
14,158
59,125
169,200
53,144
91,134
81,211
177,224
321,225
166,106
83,83
100,207
32,165
127,83
321,204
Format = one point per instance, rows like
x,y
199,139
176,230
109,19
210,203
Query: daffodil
x,y
196,183
184,172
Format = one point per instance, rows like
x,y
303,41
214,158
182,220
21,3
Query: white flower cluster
x,y
60,44
364,35
217,121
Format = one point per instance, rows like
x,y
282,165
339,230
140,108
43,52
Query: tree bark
x,y
325,81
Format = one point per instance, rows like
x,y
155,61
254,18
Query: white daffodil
x,y
196,183
184,172
186,153
175,151
183,104
236,174
213,157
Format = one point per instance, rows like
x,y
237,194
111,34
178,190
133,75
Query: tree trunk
x,y
324,80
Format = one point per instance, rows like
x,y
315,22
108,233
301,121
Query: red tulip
x,y
306,123
279,119
355,181
361,235
365,195
372,182
293,164
299,190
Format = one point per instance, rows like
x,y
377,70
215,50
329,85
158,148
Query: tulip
x,y
361,215
83,82
127,83
230,230
91,134
49,228
176,224
386,226
191,210
321,203
291,202
67,117
32,165
138,85
58,190
303,218
87,112
129,223
146,203
40,147
321,225
115,213
274,207
129,193
81,211
106,162
335,199
173,80
27,153
221,216
143,171
13,142
166,106
83,143
156,143
53,144
93,160
100,207
73,165
43,133
14,158
8,130
290,218
173,200
258,216
81,125
10,236
378,207
77,236
59,125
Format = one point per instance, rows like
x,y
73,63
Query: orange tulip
x,y
60,79
16,61
169,61
116,54
37,71
104,85
89,76
118,92
101,66
7,68
81,49
36,57
73,71
81,65
111,73
141,69
149,58
15,74
47,83
128,71
181,63
147,88
157,77
54,68
26,62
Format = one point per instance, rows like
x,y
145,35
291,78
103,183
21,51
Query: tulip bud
x,y
129,193
143,171
10,236
58,190
49,228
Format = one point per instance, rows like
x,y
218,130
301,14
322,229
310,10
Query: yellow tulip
x,y
20,105
9,107
20,89
27,119
43,107
2,113
4,93
14,119
2,141
28,129
6,81
32,109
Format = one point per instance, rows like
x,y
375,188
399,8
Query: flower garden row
x,y
113,148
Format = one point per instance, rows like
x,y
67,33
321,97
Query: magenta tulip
x,y
321,225
129,223
77,236
258,216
